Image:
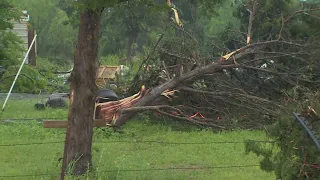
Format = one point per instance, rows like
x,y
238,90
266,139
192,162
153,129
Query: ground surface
x,y
143,150
20,96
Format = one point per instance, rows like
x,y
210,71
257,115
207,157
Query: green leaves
x,y
10,49
8,13
29,81
287,157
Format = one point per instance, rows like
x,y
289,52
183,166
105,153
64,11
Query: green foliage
x,y
8,13
56,40
111,60
61,47
293,152
10,50
49,69
35,79
28,81
129,26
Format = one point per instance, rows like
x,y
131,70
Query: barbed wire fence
x,y
147,141
137,142
142,170
5,120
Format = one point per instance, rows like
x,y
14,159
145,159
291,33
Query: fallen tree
x,y
150,100
245,83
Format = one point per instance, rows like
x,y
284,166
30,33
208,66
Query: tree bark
x,y
32,58
78,147
251,19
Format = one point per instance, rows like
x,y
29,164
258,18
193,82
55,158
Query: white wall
x,y
21,29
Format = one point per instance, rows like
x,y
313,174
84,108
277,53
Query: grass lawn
x,y
118,155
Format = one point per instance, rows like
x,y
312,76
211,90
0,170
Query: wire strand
x,y
27,144
184,168
157,142
29,119
141,170
195,143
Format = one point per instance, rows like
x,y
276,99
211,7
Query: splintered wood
x,y
105,113
109,111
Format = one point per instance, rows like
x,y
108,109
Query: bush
x,y
34,79
293,155
29,81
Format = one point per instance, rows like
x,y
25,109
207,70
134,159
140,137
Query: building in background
x,y
24,30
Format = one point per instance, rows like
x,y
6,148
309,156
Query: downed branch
x,y
160,109
171,84
224,62
197,122
228,94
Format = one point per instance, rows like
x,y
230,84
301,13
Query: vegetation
x,y
32,79
240,64
38,159
42,79
294,154
10,50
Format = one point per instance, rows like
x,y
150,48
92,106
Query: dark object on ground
x,y
106,95
56,102
39,106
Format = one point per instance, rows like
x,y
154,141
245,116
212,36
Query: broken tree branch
x,y
193,121
157,91
226,94
166,70
251,19
218,65
182,117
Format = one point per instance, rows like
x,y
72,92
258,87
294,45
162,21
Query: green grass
x,y
17,109
112,159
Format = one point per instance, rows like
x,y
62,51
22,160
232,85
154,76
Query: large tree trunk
x,y
83,91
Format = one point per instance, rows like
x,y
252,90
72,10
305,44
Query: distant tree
x,y
56,38
10,49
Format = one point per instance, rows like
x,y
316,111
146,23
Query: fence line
x,y
143,170
30,119
184,168
27,144
130,142
195,143
27,175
